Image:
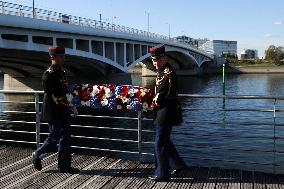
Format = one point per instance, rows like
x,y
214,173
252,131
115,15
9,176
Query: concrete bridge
x,y
95,50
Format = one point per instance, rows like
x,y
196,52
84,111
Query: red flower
x,y
124,93
112,88
85,96
101,93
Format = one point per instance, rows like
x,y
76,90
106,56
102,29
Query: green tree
x,y
275,54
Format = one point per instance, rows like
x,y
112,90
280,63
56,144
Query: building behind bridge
x,y
249,54
220,47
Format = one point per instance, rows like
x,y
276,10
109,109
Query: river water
x,y
246,140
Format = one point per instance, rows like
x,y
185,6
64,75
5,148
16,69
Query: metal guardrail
x,y
140,131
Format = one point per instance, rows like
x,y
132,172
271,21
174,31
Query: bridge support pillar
x,y
146,72
21,83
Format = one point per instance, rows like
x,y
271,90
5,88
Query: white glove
x,y
75,111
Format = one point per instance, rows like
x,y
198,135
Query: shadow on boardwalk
x,y
16,171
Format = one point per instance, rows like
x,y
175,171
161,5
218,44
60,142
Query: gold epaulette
x,y
167,71
155,99
60,101
49,70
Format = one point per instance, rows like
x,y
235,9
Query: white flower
x,y
76,93
142,92
131,92
145,106
95,91
104,102
85,103
69,97
128,107
125,100
108,93
119,107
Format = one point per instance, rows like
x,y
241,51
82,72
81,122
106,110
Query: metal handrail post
x,y
3,8
37,119
274,136
139,124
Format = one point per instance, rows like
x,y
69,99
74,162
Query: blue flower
x,y
112,104
118,90
76,101
72,88
136,105
95,102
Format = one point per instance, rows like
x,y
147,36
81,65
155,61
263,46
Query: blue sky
x,y
253,23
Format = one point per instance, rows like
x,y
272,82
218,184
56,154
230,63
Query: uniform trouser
x,y
59,134
166,156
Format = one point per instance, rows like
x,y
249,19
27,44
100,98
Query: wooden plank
x,y
258,180
235,179
51,177
200,178
160,185
127,172
223,179
13,155
280,179
107,175
11,179
135,181
4,149
212,178
148,183
188,177
12,167
246,180
103,172
271,181
176,180
94,169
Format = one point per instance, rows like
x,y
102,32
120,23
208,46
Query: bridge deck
x,y
16,171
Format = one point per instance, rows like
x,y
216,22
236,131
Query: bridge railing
x,y
193,137
27,11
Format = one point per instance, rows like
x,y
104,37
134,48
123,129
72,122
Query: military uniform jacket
x,y
55,105
167,109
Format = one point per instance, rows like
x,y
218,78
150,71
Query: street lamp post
x,y
33,8
112,19
169,30
148,21
183,37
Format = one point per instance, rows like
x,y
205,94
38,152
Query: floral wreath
x,y
110,96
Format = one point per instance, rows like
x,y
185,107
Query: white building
x,y
220,47
249,54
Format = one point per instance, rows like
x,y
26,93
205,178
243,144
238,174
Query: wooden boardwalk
x,y
16,171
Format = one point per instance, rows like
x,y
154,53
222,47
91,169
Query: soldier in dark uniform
x,y
167,113
56,111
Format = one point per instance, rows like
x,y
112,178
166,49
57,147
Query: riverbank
x,y
245,70
249,69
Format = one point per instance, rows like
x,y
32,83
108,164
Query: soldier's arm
x,y
161,95
172,89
